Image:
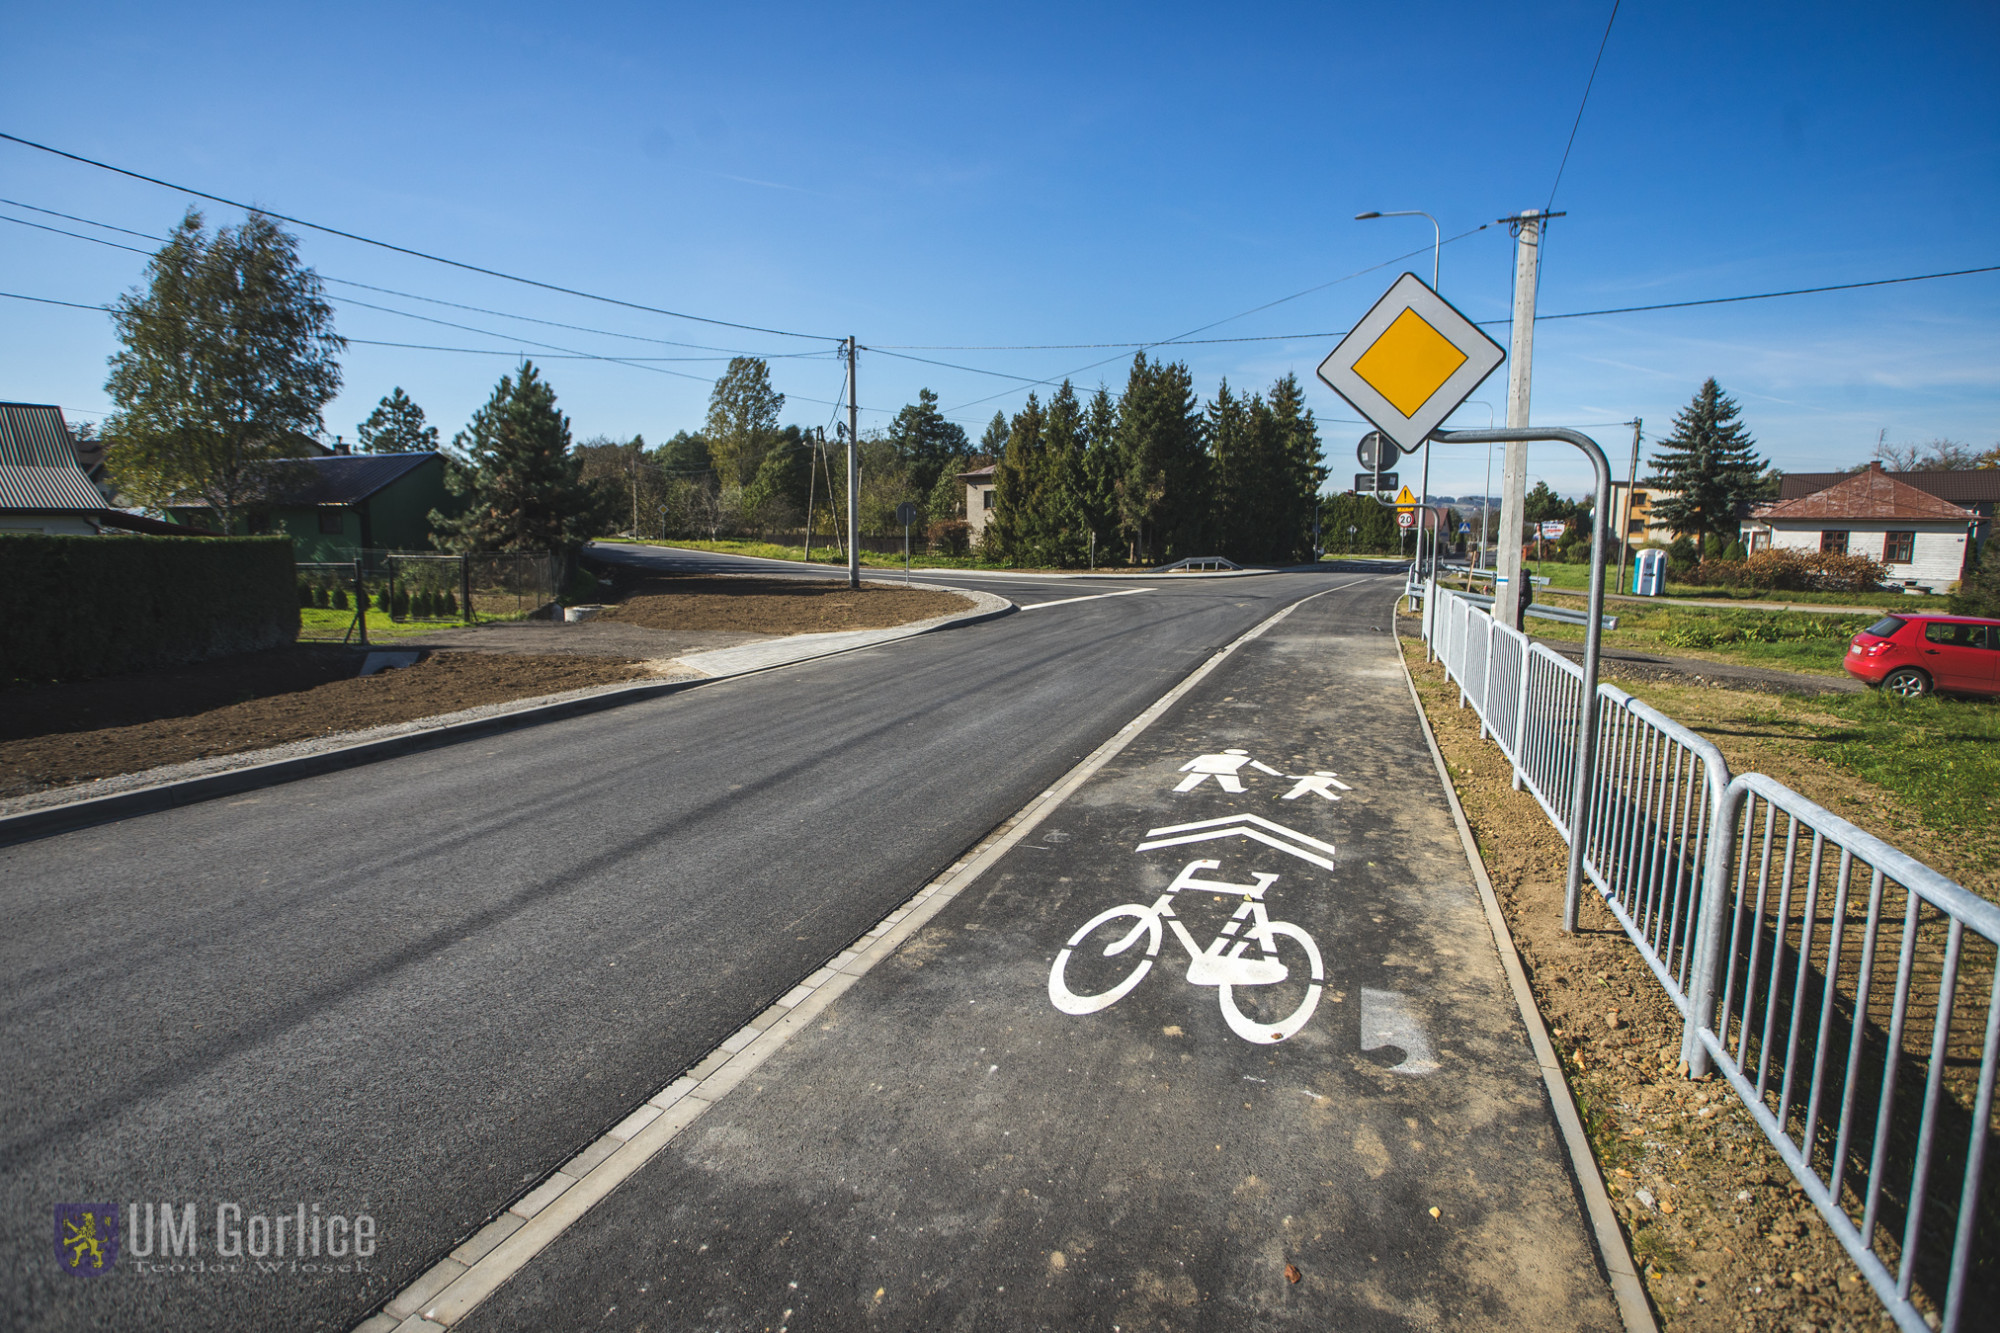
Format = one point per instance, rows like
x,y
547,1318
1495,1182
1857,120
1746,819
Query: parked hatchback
x,y
1913,655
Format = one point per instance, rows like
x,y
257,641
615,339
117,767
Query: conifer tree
x,y
925,441
396,426
1102,467
1303,464
994,442
515,463
1016,479
1235,472
1708,466
1063,536
1163,489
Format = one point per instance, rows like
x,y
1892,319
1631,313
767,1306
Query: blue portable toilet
x,y
1649,574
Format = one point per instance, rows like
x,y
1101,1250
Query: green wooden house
x,y
339,504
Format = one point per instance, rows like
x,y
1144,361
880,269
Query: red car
x,y
1913,655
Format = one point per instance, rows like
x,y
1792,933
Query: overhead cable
x,y
406,250
1588,85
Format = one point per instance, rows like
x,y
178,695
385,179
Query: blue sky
x,y
976,178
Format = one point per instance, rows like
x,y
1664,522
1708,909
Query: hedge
x,y
73,607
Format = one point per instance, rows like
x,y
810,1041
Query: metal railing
x,y
1874,1081
1851,996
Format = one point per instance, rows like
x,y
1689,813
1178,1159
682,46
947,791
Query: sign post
x,y
1406,366
906,514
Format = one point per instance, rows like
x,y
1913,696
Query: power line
x,y
1227,318
1764,296
386,291
1588,85
405,250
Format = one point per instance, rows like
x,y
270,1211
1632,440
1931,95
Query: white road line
x,y
450,1290
1122,592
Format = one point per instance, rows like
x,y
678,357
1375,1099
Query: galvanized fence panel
x,y
1859,1025
1851,996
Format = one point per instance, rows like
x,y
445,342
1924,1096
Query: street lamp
x,y
1437,233
1437,248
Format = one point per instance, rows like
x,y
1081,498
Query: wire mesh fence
x,y
402,589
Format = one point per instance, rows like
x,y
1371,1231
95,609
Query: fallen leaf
x,y
1436,1213
1292,1273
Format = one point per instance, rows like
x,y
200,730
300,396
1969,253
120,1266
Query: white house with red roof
x,y
1922,539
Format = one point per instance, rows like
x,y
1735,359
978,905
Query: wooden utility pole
x,y
853,473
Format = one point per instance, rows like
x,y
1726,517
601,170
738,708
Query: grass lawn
x,y
1919,773
1804,641
318,625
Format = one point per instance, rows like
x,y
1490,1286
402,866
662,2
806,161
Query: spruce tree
x,y
1236,470
994,442
396,426
1064,537
525,485
1708,466
1163,496
1102,466
1017,476
1304,468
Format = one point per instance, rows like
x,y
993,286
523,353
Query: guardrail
x,y
1873,1081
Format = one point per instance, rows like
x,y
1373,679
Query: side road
x,y
45,813
1220,1040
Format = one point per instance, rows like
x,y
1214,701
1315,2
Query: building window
x,y
332,521
1899,548
1833,543
986,499
1637,527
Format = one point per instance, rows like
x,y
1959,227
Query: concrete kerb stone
x,y
1630,1293
562,1199
47,821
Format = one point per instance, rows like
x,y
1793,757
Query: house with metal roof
x,y
1922,539
1977,489
336,505
42,488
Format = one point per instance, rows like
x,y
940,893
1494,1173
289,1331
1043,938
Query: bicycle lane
x,y
1163,1142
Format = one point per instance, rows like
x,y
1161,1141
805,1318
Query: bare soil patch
x,y
756,605
55,735
1724,1238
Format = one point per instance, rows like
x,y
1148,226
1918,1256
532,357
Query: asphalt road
x,y
411,989
1012,1122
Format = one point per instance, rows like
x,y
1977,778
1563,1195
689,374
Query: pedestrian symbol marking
x,y
1255,827
1317,784
1223,768
1409,363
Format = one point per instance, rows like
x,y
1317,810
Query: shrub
x,y
1734,551
340,599
952,537
1787,569
75,607
399,604
1682,556
448,605
305,593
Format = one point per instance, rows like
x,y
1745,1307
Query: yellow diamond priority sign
x,y
1410,362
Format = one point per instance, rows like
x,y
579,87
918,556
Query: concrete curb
x,y
48,821
1626,1288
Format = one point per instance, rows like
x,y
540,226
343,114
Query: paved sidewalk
x,y
1003,1125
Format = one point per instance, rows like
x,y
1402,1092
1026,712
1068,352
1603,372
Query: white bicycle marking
x,y
1223,965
